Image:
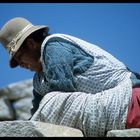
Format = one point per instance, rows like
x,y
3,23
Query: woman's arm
x,y
58,59
35,102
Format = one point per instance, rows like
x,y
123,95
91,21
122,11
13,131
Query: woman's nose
x,y
27,66
22,65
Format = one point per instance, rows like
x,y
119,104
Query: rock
x,y
6,111
19,96
22,108
21,128
133,132
18,90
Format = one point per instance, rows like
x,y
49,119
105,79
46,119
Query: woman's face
x,y
29,58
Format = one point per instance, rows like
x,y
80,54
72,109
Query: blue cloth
x,y
69,67
135,80
63,63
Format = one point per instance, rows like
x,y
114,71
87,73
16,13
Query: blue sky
x,y
114,27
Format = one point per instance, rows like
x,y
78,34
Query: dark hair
x,y
39,35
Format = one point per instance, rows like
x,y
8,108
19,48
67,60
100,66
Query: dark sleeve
x,y
35,102
58,60
135,78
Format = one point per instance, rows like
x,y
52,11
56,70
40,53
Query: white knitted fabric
x,y
106,71
103,98
93,114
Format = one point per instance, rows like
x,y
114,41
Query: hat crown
x,y
14,33
10,30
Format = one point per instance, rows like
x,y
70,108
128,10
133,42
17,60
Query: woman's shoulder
x,y
58,37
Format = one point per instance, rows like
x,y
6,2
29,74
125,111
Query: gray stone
x,y
133,132
19,96
21,128
22,108
6,111
18,90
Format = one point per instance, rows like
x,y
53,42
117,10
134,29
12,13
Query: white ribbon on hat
x,y
11,47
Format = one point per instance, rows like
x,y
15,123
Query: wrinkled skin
x,y
28,56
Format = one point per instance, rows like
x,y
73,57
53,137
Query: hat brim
x,y
13,62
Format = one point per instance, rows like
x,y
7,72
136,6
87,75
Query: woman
x,y
67,67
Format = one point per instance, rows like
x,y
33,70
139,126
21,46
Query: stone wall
x,y
36,129
16,101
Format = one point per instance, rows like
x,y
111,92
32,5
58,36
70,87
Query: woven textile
x,y
106,71
93,114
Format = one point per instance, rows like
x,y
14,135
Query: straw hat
x,y
13,34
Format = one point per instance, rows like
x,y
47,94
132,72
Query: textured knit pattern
x,y
93,114
102,98
106,71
